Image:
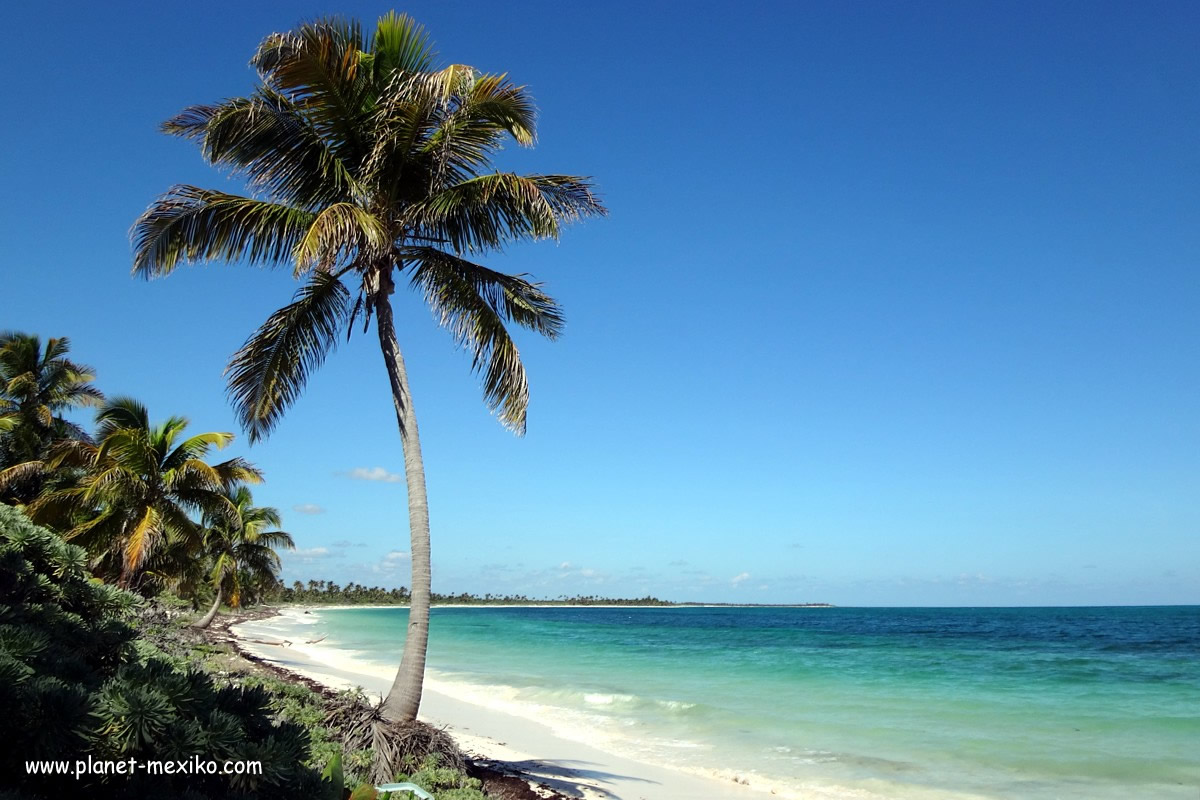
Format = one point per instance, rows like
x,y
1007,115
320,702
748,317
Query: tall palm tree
x,y
241,549
37,384
366,165
141,484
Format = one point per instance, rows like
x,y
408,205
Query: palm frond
x,y
133,448
473,130
270,140
19,473
142,538
473,303
276,540
196,447
399,45
270,370
121,412
409,111
190,225
513,297
72,453
342,232
486,212
318,67
236,471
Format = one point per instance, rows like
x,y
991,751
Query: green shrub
x,y
444,783
75,685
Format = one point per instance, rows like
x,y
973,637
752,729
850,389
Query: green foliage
x,y
365,166
240,546
330,593
37,384
74,685
140,484
332,775
444,783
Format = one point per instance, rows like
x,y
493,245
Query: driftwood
x,y
284,643
315,641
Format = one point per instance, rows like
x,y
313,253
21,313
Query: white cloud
x,y
391,563
309,555
374,474
587,573
308,508
737,579
565,565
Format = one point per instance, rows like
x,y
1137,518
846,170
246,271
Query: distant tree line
x,y
356,594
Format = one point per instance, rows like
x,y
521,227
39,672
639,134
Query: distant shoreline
x,y
552,604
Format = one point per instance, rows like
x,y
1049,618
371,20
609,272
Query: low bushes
x,y
74,688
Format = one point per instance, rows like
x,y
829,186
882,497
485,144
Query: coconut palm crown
x,y
38,383
141,484
367,165
242,547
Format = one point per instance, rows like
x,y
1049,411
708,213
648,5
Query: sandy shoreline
x,y
513,743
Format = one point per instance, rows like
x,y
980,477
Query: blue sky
x,y
896,304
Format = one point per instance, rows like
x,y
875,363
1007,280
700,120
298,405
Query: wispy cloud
x,y
373,474
565,565
309,555
391,563
344,543
741,576
308,508
679,563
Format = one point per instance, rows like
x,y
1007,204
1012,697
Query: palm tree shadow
x,y
567,776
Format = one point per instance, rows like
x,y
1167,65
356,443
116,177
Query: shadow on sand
x,y
569,777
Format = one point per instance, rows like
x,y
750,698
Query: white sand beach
x,y
574,768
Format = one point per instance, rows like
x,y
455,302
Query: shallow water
x,y
997,703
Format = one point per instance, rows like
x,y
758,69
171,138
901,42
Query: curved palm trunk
x,y
404,698
212,612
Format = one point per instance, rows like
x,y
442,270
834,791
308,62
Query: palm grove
x,y
140,497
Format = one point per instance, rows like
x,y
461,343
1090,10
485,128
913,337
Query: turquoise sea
x,y
839,702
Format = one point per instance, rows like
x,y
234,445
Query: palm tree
x,y
367,165
241,549
141,483
37,384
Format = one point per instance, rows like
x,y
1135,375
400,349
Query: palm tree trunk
x,y
212,612
404,698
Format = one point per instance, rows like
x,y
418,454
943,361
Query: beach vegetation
x,y
39,384
77,685
141,486
368,166
242,549
143,500
97,659
319,592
